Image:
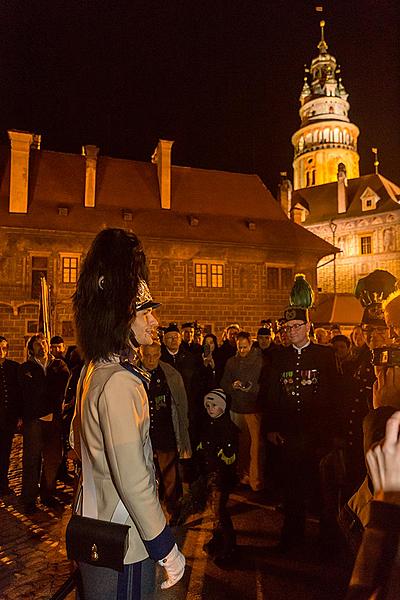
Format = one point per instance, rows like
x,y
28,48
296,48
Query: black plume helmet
x,y
371,291
105,301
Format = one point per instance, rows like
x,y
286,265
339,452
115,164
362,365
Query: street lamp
x,y
333,227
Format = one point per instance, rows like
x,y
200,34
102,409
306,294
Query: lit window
x,y
209,275
70,269
216,276
366,245
201,275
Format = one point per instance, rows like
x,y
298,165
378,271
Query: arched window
x,y
336,134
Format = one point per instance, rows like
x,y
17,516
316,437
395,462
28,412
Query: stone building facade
x,y
220,248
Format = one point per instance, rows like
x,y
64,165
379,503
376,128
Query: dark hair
x,y
213,337
244,335
34,338
56,339
104,301
341,338
3,339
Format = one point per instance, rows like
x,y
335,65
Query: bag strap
x,y
87,490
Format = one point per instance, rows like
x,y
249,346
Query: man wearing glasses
x,y
300,420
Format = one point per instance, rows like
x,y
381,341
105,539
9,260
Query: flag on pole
x,y
44,324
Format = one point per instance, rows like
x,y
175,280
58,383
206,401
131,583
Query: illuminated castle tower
x,y
326,136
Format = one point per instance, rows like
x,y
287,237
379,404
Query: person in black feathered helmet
x,y
110,431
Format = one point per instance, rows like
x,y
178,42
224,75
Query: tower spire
x,y
322,46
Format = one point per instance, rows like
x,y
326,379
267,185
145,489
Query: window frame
x,y
365,236
208,273
69,255
280,267
32,256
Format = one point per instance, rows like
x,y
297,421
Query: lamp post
x,y
333,227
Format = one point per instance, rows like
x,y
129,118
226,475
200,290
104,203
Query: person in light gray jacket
x,y
113,311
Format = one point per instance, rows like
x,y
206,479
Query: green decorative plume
x,y
375,287
302,294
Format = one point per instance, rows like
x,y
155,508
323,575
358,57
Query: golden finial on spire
x,y
322,46
376,161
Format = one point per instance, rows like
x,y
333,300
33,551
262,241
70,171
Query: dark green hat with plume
x,y
301,299
371,291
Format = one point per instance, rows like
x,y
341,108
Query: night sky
x,y
221,78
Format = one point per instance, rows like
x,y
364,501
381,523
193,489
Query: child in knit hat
x,y
217,458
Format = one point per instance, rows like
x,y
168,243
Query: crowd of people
x,y
280,414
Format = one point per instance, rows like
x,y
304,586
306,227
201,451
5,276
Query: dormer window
x,y
369,199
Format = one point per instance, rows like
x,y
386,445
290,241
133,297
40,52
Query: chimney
x,y
162,157
91,153
19,171
342,188
285,193
297,214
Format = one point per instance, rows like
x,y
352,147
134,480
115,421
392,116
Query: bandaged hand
x,y
174,564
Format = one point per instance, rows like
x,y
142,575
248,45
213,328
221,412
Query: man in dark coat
x,y
10,411
299,419
43,380
228,347
188,365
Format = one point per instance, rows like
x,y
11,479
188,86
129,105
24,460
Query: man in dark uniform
x,y
371,291
10,411
299,419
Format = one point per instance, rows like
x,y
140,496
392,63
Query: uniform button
x,y
350,443
357,400
350,421
350,433
293,393
353,410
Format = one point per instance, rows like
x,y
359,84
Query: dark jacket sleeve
x,y
376,572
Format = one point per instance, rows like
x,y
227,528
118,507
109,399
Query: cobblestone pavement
x,y
33,561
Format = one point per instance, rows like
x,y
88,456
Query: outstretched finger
x,y
392,431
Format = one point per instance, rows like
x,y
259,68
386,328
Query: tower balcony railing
x,y
311,147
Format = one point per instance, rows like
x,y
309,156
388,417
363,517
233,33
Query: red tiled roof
x,y
223,202
321,200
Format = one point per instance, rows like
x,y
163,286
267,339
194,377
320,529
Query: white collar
x,y
299,350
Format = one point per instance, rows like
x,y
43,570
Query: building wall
x,y
245,295
352,264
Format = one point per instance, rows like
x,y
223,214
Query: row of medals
x,y
307,377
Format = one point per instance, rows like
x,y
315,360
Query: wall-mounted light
x,y
193,221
